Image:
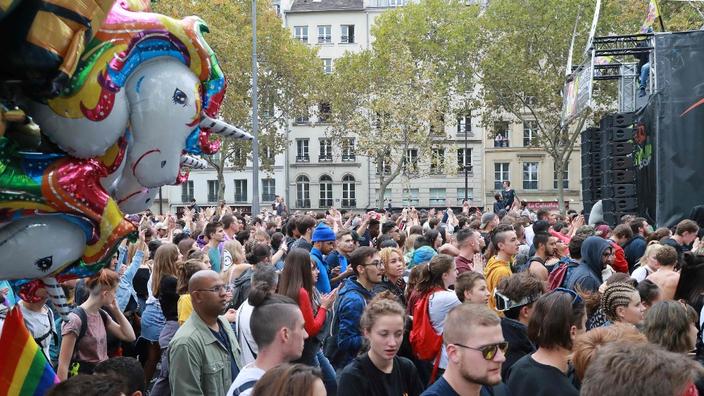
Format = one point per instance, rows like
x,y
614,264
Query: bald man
x,y
204,355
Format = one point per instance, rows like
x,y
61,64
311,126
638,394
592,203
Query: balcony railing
x,y
212,198
349,203
324,158
268,197
186,197
302,158
241,198
349,158
303,203
325,203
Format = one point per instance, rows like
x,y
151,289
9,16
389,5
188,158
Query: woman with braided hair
x,y
621,303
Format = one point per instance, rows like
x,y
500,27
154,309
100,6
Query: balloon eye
x,y
45,263
180,98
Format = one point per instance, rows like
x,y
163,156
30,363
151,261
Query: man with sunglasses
x,y
204,356
597,253
475,350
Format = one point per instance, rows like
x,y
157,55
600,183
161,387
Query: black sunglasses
x,y
488,351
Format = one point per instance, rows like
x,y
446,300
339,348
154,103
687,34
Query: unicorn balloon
x,y
145,95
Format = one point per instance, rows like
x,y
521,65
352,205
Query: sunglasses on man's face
x,y
488,351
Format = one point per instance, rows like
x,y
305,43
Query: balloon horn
x,y
58,298
222,128
189,161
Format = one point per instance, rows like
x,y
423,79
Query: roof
x,y
326,5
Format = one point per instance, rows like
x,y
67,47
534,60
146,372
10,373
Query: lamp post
x,y
255,115
464,160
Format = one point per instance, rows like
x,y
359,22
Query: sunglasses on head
x,y
504,303
488,351
575,297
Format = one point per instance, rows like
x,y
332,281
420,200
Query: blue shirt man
x,y
323,243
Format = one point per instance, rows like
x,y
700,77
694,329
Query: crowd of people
x,y
418,302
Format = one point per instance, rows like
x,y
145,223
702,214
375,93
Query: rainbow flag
x,y
23,368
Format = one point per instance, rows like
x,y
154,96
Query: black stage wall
x,y
670,135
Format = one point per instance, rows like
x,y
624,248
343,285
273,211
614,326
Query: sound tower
x,y
591,167
618,184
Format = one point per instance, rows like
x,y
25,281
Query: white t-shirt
x,y
247,374
244,333
39,324
640,273
439,304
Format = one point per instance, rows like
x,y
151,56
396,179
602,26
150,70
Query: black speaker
x,y
620,162
624,119
619,176
622,134
620,190
620,204
620,148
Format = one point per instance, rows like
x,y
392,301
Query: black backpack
x,y
241,288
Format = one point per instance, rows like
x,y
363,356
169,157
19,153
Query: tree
x,y
289,74
396,95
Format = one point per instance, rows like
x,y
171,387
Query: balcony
x,y
325,158
268,197
302,158
212,198
325,203
186,197
349,158
349,203
241,198
303,203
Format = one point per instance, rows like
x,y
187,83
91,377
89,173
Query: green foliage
x,y
288,71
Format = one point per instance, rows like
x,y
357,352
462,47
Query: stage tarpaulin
x,y
677,127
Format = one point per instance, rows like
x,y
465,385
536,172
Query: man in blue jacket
x,y
323,243
597,253
351,300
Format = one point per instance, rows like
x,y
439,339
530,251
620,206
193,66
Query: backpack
x,y
559,273
77,366
241,287
425,342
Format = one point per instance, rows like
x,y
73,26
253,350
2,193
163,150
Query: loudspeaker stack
x,y
618,181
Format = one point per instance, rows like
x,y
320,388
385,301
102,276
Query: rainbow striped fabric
x,y
24,369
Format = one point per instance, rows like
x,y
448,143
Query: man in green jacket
x,y
204,356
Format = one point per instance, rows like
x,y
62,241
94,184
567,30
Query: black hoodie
x,y
587,275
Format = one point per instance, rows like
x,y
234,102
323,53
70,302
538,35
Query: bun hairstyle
x,y
271,312
431,274
616,295
383,304
105,279
259,253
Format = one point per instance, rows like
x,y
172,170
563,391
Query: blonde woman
x,y
233,257
647,264
394,268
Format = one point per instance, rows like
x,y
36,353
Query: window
x,y
410,163
437,197
240,190
464,124
301,33
437,161
303,192
327,65
500,174
213,187
437,126
565,177
348,192
410,197
347,34
348,149
385,165
324,112
302,150
324,34
325,150
325,191
187,191
464,160
530,175
501,130
387,197
268,189
530,130
461,195
267,154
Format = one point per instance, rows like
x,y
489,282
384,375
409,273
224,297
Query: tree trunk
x,y
559,169
221,178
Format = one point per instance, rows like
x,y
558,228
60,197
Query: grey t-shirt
x,y
39,325
439,304
247,374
